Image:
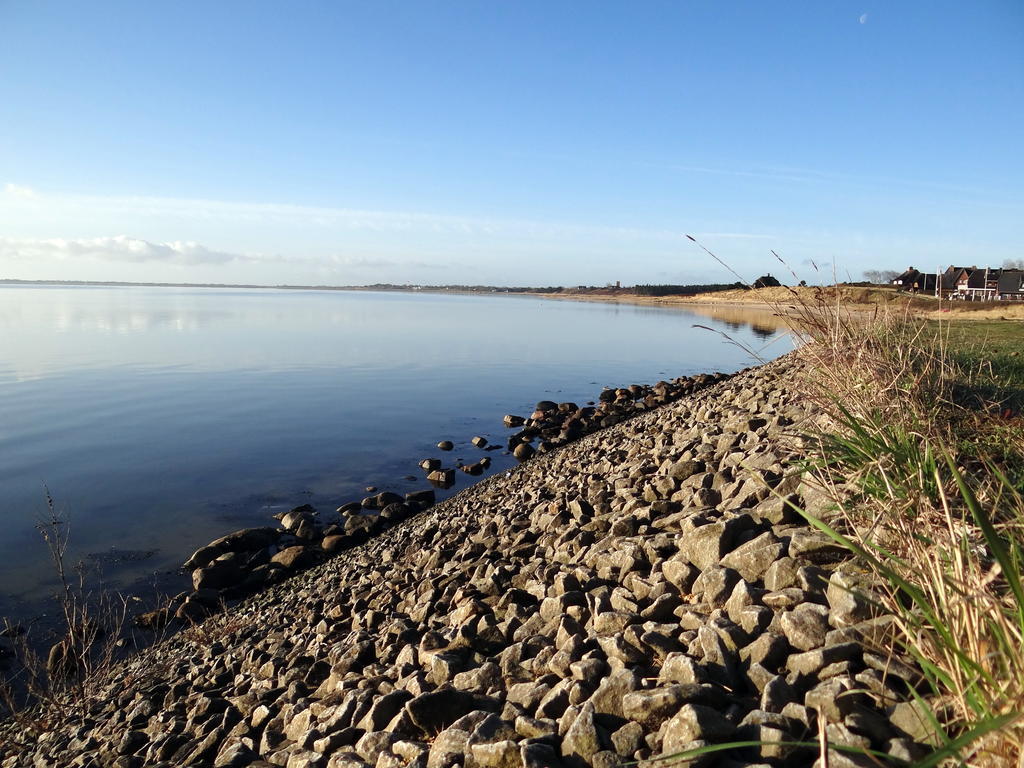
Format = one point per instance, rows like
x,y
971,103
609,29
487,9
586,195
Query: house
x,y
915,281
766,281
954,281
981,285
965,283
1010,286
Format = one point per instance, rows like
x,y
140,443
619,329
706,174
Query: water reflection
x,y
762,321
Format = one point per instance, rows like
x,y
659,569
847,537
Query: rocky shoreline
x,y
643,590
244,562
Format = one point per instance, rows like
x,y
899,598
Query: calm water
x,y
160,418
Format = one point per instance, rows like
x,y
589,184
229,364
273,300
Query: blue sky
x,y
507,143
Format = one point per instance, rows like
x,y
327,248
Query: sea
x,y
152,420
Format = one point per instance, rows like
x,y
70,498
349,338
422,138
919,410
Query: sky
x,y
507,143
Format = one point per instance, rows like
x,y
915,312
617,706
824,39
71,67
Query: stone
x,y
680,574
776,694
582,740
292,519
715,584
333,544
628,739
523,451
442,477
812,662
234,754
607,699
694,722
913,719
424,499
680,668
705,545
847,598
805,626
446,445
434,711
305,759
245,540
384,710
781,574
449,748
223,572
296,557
752,559
652,707
372,745
686,468
539,755
815,547
500,754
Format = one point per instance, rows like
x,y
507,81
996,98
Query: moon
x,y
863,18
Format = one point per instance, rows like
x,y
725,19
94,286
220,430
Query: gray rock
x,y
372,745
296,557
805,626
815,547
811,662
539,756
704,545
680,668
449,748
694,722
847,599
912,718
715,584
583,739
752,559
384,710
435,711
607,699
500,754
781,574
652,707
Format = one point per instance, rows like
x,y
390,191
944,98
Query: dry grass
x,y
927,473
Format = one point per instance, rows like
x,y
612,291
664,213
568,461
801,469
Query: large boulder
x,y
297,557
245,540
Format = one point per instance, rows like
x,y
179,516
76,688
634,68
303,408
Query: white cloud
x,y
323,219
17,190
120,248
863,18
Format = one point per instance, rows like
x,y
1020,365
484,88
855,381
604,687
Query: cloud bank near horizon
x,y
119,248
51,235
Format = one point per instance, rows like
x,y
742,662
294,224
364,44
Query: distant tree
x,y
1013,264
880,276
803,283
684,290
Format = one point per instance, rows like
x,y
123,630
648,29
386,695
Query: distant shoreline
x,y
771,300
